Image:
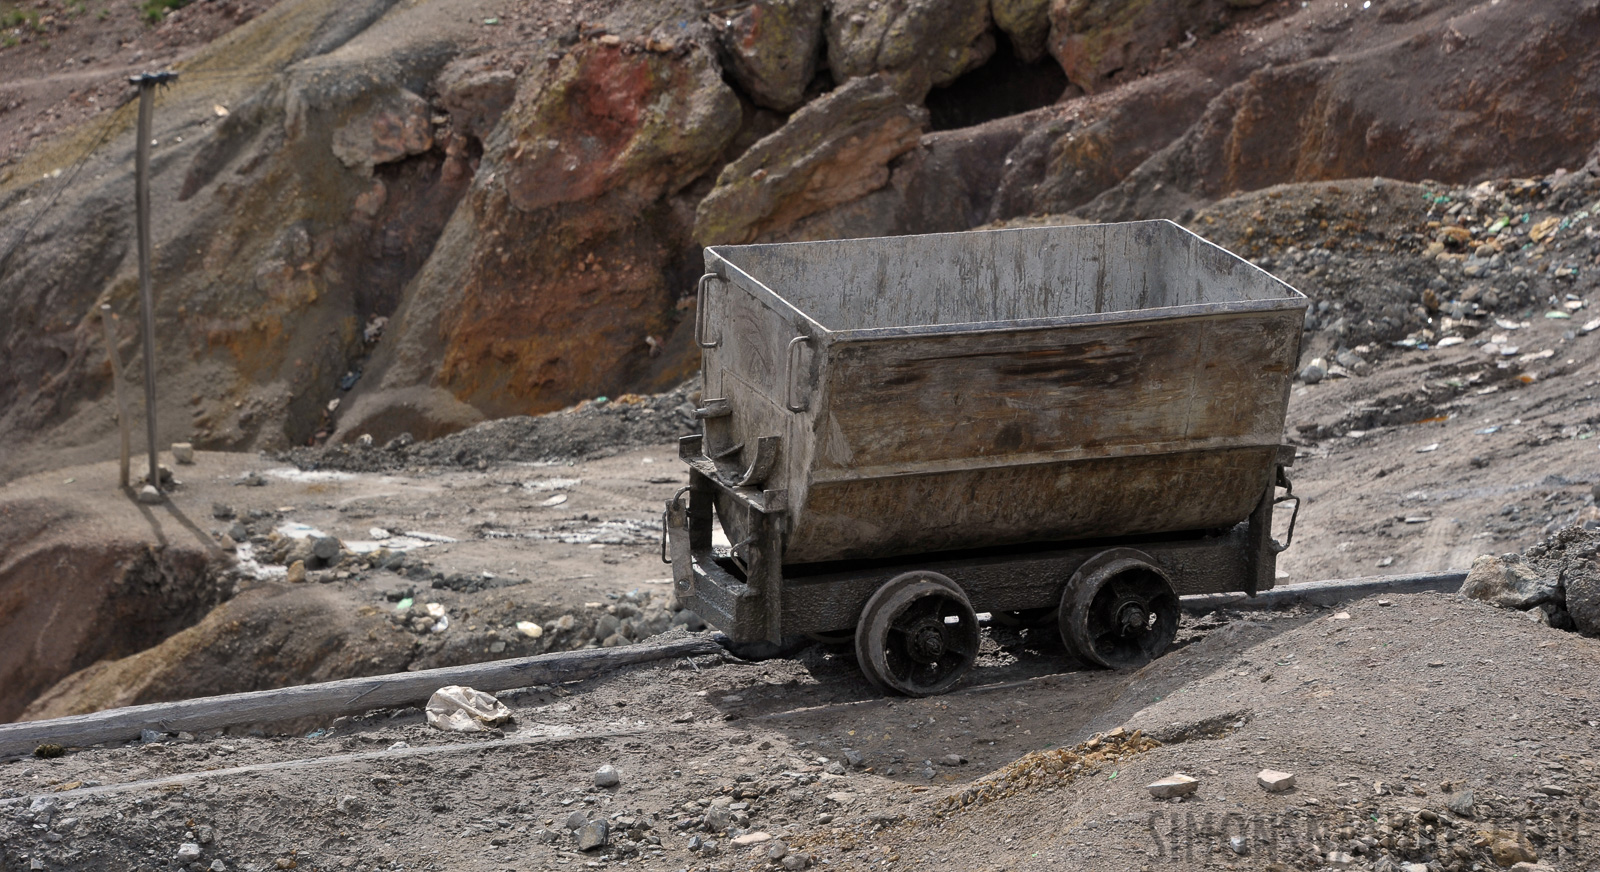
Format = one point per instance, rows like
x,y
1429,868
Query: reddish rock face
x,y
555,272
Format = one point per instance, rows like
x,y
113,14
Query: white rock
x,y
606,776
183,452
1173,785
1275,781
188,852
1340,860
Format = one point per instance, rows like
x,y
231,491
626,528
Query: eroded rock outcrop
x,y
407,222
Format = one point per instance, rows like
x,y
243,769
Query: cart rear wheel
x,y
1118,610
917,635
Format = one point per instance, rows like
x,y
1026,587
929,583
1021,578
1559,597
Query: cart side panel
x,y
935,403
1042,502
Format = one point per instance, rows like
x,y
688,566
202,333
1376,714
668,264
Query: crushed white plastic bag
x,y
464,710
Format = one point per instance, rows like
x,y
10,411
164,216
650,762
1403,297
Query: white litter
x,y
393,543
553,484
296,530
556,500
465,710
379,533
289,473
429,537
245,557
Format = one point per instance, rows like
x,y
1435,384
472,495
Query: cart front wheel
x,y
917,635
1118,610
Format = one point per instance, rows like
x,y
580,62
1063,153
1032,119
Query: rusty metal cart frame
x,y
1078,423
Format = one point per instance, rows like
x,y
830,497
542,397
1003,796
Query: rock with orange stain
x,y
605,120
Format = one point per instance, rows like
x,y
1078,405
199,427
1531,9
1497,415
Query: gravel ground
x,y
1389,713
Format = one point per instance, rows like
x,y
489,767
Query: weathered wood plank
x,y
183,779
334,698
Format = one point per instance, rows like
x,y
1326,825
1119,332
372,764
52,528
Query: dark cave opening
x,y
1003,86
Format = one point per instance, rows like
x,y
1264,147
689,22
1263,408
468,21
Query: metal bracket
x,y
761,465
714,408
788,376
700,314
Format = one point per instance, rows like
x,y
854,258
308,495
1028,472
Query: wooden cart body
x,y
1002,404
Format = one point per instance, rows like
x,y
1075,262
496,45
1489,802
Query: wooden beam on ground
x,y
1325,593
334,698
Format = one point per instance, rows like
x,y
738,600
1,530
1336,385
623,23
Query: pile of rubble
x,y
1397,265
1556,581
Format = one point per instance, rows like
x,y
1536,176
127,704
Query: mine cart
x,y
1070,424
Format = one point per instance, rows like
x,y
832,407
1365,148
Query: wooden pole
x,y
147,84
116,387
330,699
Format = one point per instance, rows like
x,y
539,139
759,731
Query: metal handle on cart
x,y
665,558
788,376
1288,494
700,315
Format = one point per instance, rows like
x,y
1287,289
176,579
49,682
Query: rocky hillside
x,y
377,217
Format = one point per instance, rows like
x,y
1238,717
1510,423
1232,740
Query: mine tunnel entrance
x,y
1004,86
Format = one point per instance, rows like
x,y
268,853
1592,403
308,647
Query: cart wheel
x,y
1118,610
917,635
